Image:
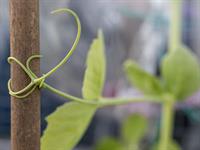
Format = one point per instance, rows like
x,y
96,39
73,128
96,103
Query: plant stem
x,y
167,124
122,101
175,25
168,105
102,102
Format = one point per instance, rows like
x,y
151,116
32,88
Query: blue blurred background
x,y
136,29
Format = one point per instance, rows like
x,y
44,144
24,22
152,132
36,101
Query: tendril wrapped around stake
x,y
40,81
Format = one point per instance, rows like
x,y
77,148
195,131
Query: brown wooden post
x,y
24,39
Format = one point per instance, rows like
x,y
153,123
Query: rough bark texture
x,y
25,113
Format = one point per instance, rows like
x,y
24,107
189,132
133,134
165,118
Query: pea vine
x,y
180,78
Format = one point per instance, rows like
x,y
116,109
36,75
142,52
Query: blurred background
x,y
135,29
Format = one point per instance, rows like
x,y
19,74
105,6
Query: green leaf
x,y
181,73
172,146
142,80
66,126
95,73
134,128
108,143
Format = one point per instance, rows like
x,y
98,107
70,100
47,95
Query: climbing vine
x,y
180,78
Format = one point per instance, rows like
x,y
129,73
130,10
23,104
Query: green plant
x,y
69,122
72,119
132,131
180,78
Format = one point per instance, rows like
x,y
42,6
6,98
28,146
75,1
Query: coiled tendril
x,y
40,81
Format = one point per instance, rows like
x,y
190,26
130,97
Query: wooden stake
x,y
24,39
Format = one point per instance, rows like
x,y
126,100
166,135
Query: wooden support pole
x,y
24,39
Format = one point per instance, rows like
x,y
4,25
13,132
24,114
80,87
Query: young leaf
x,y
108,144
66,126
142,80
181,73
95,73
134,128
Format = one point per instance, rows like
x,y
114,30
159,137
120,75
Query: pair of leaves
x,y
69,122
132,131
180,74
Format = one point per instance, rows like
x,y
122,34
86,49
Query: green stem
x,y
101,102
121,101
167,124
168,105
175,25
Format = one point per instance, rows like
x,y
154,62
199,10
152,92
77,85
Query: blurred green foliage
x,y
133,130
